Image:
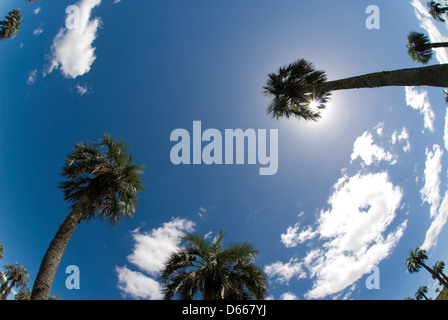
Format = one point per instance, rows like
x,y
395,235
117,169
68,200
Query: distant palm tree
x,y
300,91
12,24
217,273
421,293
23,294
436,11
101,184
420,47
438,269
416,261
15,277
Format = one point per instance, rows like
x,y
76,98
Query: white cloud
x,y
293,237
288,296
284,272
38,31
149,254
72,50
355,231
369,152
37,10
32,75
402,137
81,90
419,101
445,135
430,192
117,1
437,224
137,285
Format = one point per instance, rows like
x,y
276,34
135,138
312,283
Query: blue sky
x,y
359,188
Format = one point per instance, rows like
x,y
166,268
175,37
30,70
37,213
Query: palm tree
x,y
420,48
23,294
416,261
2,250
438,269
102,183
15,277
12,24
300,91
421,293
436,11
217,273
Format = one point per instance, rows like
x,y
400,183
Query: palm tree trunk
x,y
435,274
439,45
8,290
433,76
52,258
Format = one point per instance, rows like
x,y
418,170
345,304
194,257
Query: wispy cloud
x,y
284,272
430,192
81,90
418,100
32,75
38,31
72,50
402,137
369,152
149,254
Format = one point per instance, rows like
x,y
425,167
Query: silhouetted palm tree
x,y
416,261
420,48
217,273
438,268
300,91
436,10
421,293
12,24
102,183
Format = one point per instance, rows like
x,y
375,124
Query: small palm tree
x,y
436,11
417,259
12,24
420,294
217,273
102,183
300,91
23,294
438,269
15,277
420,48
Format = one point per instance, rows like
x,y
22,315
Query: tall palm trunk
x,y
433,76
52,258
435,274
8,290
439,45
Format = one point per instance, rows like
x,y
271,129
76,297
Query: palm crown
x,y
436,11
419,47
107,178
296,91
11,25
216,272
